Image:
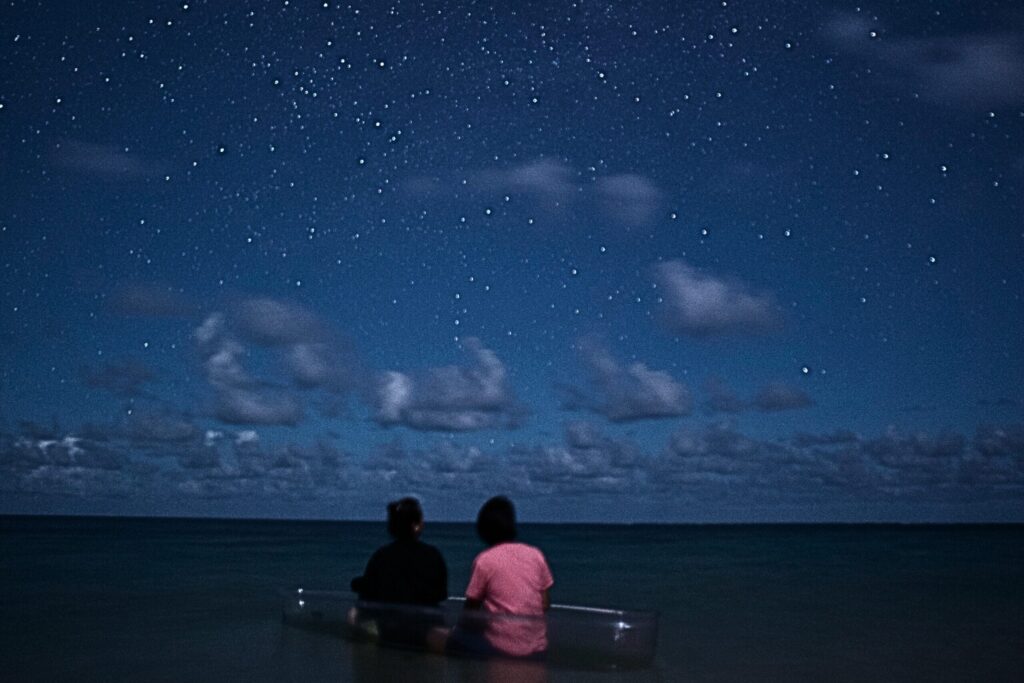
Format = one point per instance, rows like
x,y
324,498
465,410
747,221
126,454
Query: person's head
x,y
405,519
496,522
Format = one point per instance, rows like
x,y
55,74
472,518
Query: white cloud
x,y
701,305
626,393
972,70
452,398
631,198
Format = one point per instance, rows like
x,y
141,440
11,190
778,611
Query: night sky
x,y
701,261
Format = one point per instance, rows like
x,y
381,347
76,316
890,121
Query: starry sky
x,y
624,262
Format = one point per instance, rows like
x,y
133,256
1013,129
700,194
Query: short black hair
x,y
496,522
403,517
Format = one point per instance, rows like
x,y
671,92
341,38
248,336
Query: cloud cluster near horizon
x,y
265,360
716,462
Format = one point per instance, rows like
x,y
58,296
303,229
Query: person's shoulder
x,y
381,550
428,549
490,555
512,550
531,553
382,553
527,549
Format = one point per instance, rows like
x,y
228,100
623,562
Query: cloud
x,y
221,467
442,466
240,399
1000,441
625,198
900,450
147,432
836,466
244,406
703,306
66,466
777,397
449,398
548,180
586,461
976,70
310,364
627,393
708,468
848,29
146,428
331,366
837,438
911,464
716,461
270,322
242,467
108,162
630,198
774,397
716,440
582,435
313,356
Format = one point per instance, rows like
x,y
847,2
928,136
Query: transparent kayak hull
x,y
575,636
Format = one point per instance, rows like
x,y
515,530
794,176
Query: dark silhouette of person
x,y
407,570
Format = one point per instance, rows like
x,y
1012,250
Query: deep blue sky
x,y
707,261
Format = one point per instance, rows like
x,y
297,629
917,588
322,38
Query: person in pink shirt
x,y
509,578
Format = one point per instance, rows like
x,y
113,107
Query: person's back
x,y
509,578
406,570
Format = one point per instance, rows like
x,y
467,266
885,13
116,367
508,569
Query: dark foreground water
x,y
89,599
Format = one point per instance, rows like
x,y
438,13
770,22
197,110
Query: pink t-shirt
x,y
510,578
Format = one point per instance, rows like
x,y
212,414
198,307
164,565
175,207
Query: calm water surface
x,y
90,599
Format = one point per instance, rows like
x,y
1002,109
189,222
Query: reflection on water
x,y
327,657
370,663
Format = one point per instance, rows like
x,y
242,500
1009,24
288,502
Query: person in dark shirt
x,y
407,570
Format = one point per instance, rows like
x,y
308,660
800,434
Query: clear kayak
x,y
570,635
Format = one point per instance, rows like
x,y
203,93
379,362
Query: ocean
x,y
130,599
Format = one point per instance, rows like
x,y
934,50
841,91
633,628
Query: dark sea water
x,y
96,599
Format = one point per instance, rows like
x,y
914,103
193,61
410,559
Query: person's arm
x,y
477,588
547,581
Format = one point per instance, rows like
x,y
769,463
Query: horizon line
x,y
327,520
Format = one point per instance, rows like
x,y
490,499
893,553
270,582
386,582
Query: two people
x,y
508,577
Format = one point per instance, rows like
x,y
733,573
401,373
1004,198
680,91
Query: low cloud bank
x,y
712,464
